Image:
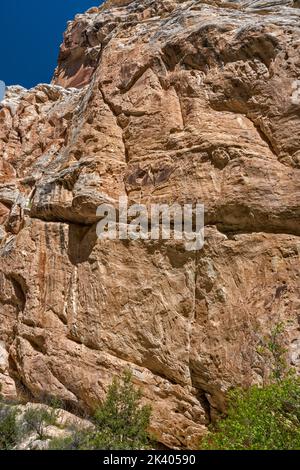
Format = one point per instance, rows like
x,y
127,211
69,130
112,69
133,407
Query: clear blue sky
x,y
30,34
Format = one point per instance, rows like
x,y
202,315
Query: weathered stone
x,y
164,101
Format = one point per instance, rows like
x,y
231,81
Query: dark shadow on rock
x,y
82,240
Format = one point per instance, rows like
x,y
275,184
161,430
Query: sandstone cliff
x,y
165,101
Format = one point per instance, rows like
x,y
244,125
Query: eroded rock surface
x,y
164,101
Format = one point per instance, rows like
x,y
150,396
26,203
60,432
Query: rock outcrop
x,y
163,101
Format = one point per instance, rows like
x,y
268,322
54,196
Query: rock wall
x,y
164,101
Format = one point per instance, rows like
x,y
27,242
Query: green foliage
x,y
273,351
120,423
76,441
278,352
262,418
38,419
9,430
265,418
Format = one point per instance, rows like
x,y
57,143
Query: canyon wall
x,y
163,101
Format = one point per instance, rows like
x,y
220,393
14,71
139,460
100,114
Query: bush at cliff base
x,y
260,418
121,423
9,432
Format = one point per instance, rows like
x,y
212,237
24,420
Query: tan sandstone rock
x,y
163,101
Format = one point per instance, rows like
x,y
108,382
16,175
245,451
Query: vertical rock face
x,y
163,101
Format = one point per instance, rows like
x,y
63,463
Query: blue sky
x,y
30,34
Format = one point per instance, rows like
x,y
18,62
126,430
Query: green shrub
x,y
38,419
9,430
266,418
273,350
120,423
76,441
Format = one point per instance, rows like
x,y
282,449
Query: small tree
x,y
121,422
273,350
262,418
265,418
